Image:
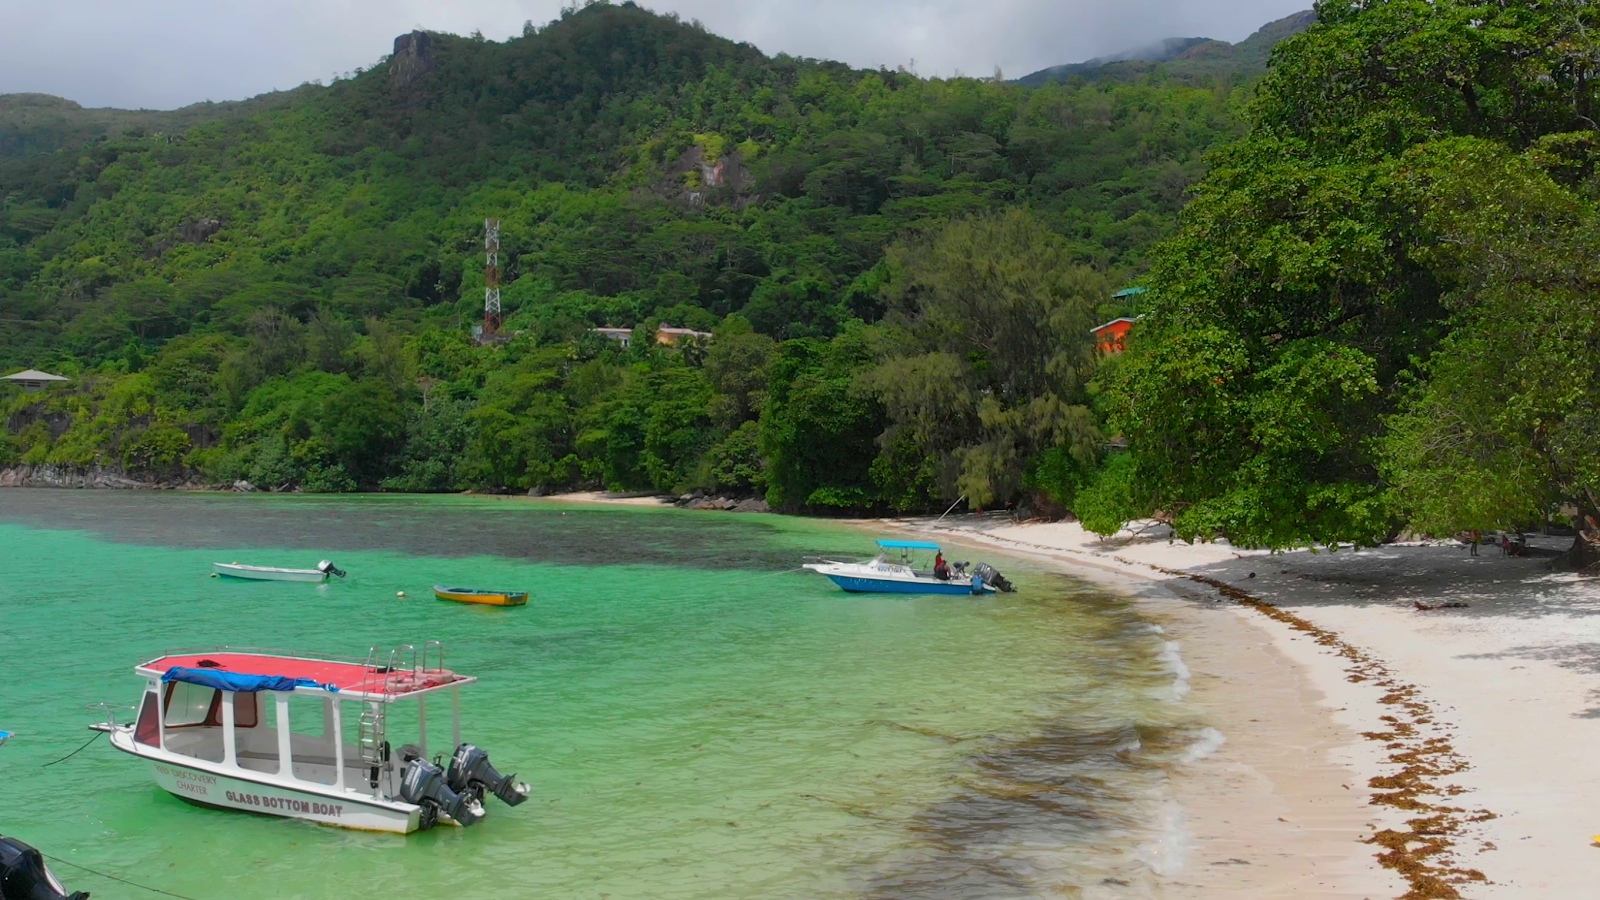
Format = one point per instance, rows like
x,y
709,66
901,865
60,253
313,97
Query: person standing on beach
x,y
1476,536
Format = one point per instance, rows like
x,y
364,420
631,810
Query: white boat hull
x,y
889,578
197,782
266,573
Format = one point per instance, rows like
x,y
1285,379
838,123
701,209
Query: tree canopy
x,y
1370,316
284,293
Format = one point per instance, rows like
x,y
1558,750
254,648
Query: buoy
x,y
400,593
213,574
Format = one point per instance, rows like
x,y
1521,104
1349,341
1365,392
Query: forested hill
x,y
35,124
1189,59
286,296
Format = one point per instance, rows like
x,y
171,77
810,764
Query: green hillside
x,y
1197,60
900,273
36,124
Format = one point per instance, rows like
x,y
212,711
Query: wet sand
x,y
1371,748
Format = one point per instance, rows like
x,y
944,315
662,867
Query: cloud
x,y
166,53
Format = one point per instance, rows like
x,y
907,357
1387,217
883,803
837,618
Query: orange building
x,y
1112,336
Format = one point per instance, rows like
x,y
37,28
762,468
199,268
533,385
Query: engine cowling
x,y
24,875
425,785
471,772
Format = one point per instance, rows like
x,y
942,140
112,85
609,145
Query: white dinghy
x,y
268,573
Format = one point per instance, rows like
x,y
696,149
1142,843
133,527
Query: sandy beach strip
x,y
1372,749
605,498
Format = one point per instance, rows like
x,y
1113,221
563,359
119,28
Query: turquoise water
x,y
696,718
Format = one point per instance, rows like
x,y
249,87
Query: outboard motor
x,y
992,577
326,567
426,786
472,773
24,876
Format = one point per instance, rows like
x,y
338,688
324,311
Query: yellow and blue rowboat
x,y
487,598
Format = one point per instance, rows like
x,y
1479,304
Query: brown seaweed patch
x,y
1424,853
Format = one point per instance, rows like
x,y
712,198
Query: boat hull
x,y
261,573
484,598
202,785
858,585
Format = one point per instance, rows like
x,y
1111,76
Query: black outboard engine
x,y
426,786
328,568
472,773
992,577
24,876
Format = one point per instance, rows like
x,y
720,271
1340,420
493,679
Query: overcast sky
x,y
167,53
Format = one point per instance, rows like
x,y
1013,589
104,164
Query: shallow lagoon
x,y
696,718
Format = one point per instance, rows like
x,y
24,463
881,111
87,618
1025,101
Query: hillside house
x,y
666,335
33,379
1112,336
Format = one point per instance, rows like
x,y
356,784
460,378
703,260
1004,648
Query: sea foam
x,y
1174,662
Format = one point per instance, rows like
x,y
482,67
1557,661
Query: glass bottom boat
x,y
309,737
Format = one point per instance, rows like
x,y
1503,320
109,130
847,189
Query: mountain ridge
x,y
1183,57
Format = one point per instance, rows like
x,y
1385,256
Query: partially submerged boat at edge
x,y
478,595
270,573
886,575
266,732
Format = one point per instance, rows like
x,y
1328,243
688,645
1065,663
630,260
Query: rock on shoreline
x,y
728,504
92,477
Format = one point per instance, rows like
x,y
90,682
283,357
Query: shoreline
x,y
1371,749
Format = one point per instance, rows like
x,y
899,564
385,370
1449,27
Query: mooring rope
x,y
136,884
764,575
75,752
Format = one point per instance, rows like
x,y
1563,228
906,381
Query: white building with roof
x,y
33,379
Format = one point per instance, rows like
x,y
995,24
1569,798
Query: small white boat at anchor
x,y
893,571
270,732
269,573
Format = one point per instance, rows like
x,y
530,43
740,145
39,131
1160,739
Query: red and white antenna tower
x,y
491,276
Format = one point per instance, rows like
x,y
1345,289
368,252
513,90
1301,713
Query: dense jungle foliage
x,y
1380,309
900,273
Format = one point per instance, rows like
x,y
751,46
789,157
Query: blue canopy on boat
x,y
907,545
238,682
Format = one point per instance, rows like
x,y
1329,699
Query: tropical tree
x,y
989,352
1316,267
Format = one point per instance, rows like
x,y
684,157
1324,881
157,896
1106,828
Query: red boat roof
x,y
346,676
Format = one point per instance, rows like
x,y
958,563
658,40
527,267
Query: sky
x,y
161,54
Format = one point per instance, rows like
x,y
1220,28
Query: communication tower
x,y
491,276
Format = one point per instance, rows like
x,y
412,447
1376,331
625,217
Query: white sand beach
x,y
1465,738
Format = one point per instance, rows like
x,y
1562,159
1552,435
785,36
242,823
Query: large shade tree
x,y
989,354
1310,277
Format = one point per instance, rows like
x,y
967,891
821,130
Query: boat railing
x,y
438,652
109,710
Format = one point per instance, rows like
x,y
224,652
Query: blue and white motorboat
x,y
893,571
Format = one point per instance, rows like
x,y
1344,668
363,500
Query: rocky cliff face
x,y
726,180
103,477
413,58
